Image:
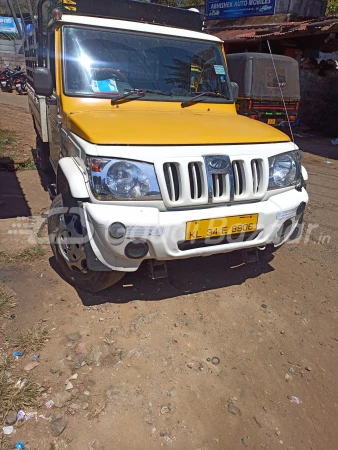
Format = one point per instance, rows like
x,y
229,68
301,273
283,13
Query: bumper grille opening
x,y
209,242
172,181
196,180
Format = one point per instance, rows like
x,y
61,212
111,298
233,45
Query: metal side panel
x,y
38,109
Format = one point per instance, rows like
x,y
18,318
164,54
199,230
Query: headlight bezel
x,y
98,169
296,157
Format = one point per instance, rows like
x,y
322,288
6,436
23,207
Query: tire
x,y
42,150
87,280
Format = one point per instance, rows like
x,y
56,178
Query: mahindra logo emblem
x,y
218,164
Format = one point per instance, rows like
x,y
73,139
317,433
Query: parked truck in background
x,y
134,110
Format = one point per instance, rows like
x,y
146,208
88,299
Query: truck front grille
x,y
188,183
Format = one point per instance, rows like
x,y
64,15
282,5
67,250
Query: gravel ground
x,y
218,356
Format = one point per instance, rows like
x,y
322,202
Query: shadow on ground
x,y
12,199
189,276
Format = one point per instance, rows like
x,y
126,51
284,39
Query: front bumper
x,y
164,231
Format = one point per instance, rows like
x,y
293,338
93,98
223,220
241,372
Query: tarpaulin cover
x,y
256,77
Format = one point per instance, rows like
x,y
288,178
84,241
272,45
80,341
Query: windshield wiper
x,y
198,98
135,94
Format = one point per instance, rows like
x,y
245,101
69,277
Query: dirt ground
x,y
218,356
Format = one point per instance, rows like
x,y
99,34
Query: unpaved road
x,y
207,359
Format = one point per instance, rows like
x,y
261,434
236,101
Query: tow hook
x,y
158,269
250,255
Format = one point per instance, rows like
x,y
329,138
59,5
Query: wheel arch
x,y
70,178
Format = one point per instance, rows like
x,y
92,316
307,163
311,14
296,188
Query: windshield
x,y
103,63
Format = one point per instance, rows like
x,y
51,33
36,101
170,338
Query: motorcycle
x,y
6,80
19,80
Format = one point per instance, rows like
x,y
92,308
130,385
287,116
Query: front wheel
x,y
66,235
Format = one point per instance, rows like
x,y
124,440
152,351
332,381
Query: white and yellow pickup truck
x,y
137,118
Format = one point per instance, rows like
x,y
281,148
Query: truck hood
x,y
179,127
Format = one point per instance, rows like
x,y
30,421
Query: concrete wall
x,y
11,59
319,99
11,46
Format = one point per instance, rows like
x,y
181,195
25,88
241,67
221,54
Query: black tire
x,y
42,151
90,281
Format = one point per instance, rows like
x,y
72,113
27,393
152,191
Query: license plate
x,y
271,121
208,228
18,85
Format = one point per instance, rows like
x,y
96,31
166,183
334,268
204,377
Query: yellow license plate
x,y
271,121
208,228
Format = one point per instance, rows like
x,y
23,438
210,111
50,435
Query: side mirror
x,y
42,81
235,90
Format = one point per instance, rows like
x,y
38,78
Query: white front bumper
x,y
170,228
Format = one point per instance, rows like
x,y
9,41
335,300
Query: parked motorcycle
x,y
19,80
6,80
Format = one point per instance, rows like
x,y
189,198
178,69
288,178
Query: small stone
x,y
85,406
73,377
61,398
31,366
53,370
292,370
264,305
73,336
244,442
81,349
87,393
176,324
69,386
101,319
57,427
282,332
11,418
185,335
163,433
190,365
74,406
281,352
165,409
277,433
215,360
233,409
308,368
265,409
288,377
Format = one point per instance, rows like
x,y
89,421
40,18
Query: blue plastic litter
x,y
36,357
17,354
20,445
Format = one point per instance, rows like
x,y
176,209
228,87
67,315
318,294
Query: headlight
x,y
119,179
285,170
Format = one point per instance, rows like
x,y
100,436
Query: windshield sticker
x,y
105,86
219,70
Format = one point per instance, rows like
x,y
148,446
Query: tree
x,y
332,7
